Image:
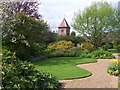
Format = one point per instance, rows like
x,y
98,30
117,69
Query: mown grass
x,y
64,67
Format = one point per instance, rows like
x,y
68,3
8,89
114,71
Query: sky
x,y
53,11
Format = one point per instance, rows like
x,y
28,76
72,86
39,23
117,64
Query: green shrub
x,y
102,54
112,50
72,38
63,54
85,54
114,68
61,45
73,52
86,46
107,46
22,75
118,48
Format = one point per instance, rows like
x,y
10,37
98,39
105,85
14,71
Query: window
x,y
62,30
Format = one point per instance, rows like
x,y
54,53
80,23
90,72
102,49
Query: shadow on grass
x,y
63,60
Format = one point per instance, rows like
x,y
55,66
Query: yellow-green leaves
x,y
61,45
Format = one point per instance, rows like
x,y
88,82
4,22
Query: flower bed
x,y
114,68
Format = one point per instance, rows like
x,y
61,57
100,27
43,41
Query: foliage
x,y
73,52
118,48
87,46
98,54
73,33
111,40
102,54
68,53
27,8
22,75
74,39
25,35
107,46
50,37
61,45
85,54
64,67
112,50
114,68
94,21
78,52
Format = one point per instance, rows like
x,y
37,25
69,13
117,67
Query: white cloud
x,y
53,11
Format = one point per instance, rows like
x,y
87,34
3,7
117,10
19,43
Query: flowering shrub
x,y
114,68
61,45
86,46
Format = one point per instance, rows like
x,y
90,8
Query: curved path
x,y
99,78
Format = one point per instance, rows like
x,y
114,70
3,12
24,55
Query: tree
x,y
21,33
27,8
94,21
73,33
28,35
50,37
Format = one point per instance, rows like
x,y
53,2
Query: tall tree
x,y
27,8
94,21
21,33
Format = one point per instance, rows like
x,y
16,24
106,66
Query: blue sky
x,y
53,11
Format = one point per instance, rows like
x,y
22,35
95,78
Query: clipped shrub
x,y
73,52
114,68
64,54
61,45
22,75
86,46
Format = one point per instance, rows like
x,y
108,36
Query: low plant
x,y
22,75
68,53
72,52
85,54
114,68
102,54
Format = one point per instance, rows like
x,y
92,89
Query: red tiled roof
x,y
64,24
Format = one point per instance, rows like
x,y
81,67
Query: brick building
x,y
63,28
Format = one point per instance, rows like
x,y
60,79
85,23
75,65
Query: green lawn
x,y
64,67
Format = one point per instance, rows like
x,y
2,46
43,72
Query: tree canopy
x,y
22,33
27,8
95,20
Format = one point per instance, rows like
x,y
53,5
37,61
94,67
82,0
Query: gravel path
x,y
99,78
